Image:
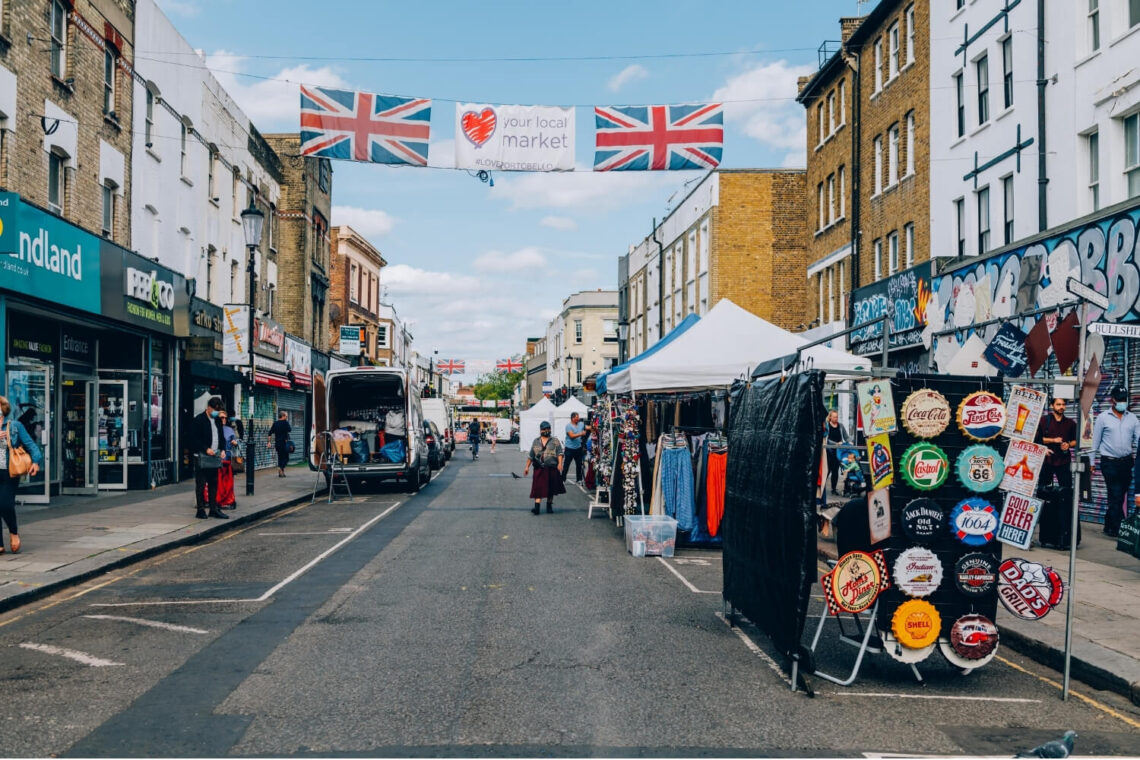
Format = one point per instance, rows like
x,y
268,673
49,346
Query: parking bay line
x,y
684,580
148,623
71,654
288,579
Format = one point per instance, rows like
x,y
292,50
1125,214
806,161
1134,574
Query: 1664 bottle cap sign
x,y
916,624
1019,517
923,519
917,572
974,521
981,415
1028,590
925,413
925,466
975,574
855,582
980,468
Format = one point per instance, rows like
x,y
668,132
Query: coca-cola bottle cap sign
x,y
926,413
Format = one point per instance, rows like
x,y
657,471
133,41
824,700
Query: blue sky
x,y
478,269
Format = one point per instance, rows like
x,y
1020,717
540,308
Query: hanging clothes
x,y
677,481
717,467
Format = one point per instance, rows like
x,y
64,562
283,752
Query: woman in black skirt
x,y
546,457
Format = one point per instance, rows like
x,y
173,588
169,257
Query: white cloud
x,y
559,222
796,159
371,223
407,279
272,103
186,8
632,73
521,260
581,188
761,102
441,153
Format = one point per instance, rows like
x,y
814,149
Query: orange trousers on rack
x,y
717,467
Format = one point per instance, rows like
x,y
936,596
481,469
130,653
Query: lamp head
x,y
252,222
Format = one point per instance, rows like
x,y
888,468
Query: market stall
x,y
529,420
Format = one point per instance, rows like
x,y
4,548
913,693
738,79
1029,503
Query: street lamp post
x,y
252,220
623,336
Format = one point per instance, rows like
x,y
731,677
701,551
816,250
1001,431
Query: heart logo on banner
x,y
479,126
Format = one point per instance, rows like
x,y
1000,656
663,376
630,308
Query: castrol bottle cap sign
x,y
925,466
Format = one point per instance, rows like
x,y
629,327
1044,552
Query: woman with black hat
x,y
546,456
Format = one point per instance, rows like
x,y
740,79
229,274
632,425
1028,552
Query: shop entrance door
x,y
29,393
79,443
112,431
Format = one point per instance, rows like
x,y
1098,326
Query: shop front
x,y
203,375
88,361
296,401
270,377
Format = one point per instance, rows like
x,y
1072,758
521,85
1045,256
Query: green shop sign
x,y
45,257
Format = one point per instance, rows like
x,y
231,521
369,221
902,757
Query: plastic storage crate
x,y
650,535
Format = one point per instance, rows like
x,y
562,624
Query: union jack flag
x,y
450,367
360,126
628,138
508,365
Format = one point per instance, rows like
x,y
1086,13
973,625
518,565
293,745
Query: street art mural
x,y
908,293
1101,253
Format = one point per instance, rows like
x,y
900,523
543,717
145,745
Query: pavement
x,y
77,538
1106,613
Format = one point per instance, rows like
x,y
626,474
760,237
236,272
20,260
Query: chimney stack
x,y
848,25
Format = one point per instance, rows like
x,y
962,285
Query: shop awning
x,y
302,379
271,379
210,371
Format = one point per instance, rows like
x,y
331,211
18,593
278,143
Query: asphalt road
x,y
456,623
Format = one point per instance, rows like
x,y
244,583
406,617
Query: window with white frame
x,y
878,259
893,155
960,91
108,79
578,370
909,233
57,181
353,284
893,57
108,208
910,35
830,294
983,198
982,69
892,252
831,112
1007,71
382,337
1093,26
1132,153
878,184
58,28
842,292
183,137
878,64
577,331
236,192
148,128
820,205
1007,213
831,199
703,284
842,102
960,219
910,143
1092,142
819,115
1133,13
842,191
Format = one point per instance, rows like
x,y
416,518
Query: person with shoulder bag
x,y
207,444
546,457
19,456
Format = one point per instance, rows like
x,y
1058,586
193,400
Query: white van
x,y
380,410
438,411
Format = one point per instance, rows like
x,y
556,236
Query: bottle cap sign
x,y
975,574
923,519
918,572
925,466
974,637
981,415
980,468
974,521
916,624
1028,590
925,413
855,582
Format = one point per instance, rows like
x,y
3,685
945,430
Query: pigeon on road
x,y
1062,747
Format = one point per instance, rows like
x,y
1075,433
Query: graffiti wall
x,y
908,293
1101,253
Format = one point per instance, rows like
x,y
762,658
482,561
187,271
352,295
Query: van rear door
x,y
320,420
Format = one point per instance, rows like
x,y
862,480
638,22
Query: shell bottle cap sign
x,y
916,624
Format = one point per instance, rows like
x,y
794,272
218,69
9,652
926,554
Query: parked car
x,y
434,441
439,411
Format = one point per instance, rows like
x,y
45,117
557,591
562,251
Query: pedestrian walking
x,y
492,435
227,499
1115,436
279,440
474,430
546,458
575,447
206,445
13,437
835,434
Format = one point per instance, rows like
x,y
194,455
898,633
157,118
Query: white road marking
x,y
149,623
756,650
684,580
930,696
70,654
288,579
314,533
690,561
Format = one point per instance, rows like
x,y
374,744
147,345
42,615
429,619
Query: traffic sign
x,y
1080,290
1115,329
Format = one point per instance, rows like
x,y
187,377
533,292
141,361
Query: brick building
x,y
738,234
354,292
304,243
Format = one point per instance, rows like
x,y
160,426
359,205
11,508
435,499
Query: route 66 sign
x,y
980,468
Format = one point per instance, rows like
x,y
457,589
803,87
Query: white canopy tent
x,y
726,344
529,420
562,414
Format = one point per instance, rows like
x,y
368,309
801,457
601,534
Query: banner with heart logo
x,y
514,138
